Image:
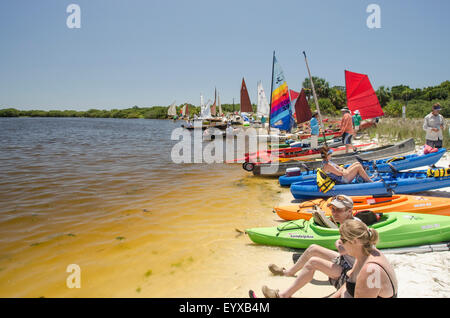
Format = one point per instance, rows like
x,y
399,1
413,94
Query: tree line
x,y
331,99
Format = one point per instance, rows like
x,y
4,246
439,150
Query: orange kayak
x,y
396,203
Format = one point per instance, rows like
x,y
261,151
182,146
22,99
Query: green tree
x,y
384,95
321,86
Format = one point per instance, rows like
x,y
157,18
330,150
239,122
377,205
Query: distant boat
x,y
185,111
213,107
172,110
246,105
262,108
206,111
220,106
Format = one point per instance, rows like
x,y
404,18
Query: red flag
x,y
302,110
361,96
294,94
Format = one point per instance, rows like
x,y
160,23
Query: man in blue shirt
x,y
314,123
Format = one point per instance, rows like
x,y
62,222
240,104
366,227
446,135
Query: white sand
x,y
424,275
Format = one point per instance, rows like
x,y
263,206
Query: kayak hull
x,y
396,203
279,169
396,229
410,162
404,183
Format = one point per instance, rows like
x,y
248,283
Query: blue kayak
x,y
409,162
385,184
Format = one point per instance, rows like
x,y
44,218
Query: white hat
x,y
342,201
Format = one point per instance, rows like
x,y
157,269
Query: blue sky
x,y
153,52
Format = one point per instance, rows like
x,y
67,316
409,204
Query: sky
x,y
152,52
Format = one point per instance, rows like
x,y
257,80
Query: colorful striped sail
x,y
280,111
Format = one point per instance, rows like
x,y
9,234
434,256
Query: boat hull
x,y
403,183
396,229
279,169
395,203
410,162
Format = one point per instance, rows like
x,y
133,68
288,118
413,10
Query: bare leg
x,y
355,170
312,251
307,273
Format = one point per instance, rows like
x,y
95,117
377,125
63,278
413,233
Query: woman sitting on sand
x,y
339,174
371,276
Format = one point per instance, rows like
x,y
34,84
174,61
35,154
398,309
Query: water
x,y
104,194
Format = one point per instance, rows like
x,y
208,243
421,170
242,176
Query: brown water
x,y
104,194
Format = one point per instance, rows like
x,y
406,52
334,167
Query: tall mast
x,y
271,89
315,100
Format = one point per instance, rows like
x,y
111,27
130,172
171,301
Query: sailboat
x,y
220,106
280,103
213,107
262,108
361,96
185,111
172,111
246,105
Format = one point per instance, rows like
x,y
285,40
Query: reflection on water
x,y
104,194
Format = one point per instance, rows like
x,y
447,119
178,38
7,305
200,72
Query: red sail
x,y
246,106
294,94
302,109
361,96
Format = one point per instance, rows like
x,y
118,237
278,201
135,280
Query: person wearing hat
x,y
314,123
434,124
333,264
356,120
346,129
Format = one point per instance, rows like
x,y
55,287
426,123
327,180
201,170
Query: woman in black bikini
x,y
371,275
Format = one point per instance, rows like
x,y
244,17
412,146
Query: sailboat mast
x,y
315,100
271,90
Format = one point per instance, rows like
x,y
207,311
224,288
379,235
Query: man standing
x,y
314,131
433,124
347,129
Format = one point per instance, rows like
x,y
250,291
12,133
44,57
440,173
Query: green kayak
x,y
396,229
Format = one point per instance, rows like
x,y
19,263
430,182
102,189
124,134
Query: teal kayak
x,y
396,229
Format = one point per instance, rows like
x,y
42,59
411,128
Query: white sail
x,y
206,110
263,105
220,106
172,111
201,101
183,110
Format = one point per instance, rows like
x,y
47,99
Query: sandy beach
x,y
419,275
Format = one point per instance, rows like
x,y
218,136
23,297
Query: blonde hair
x,y
353,229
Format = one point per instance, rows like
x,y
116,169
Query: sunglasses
x,y
335,209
